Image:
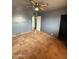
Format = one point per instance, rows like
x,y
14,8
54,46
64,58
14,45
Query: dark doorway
x,y
63,28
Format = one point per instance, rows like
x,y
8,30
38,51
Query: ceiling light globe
x,y
36,9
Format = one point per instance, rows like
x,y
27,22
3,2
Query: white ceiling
x,y
21,5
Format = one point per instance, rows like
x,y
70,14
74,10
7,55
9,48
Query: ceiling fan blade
x,y
43,5
42,9
33,2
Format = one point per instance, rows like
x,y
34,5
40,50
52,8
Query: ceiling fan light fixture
x,y
36,9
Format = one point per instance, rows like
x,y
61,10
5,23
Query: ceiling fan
x,y
38,5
